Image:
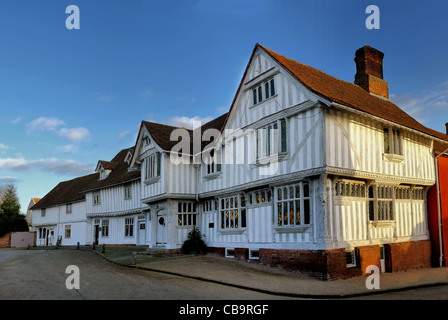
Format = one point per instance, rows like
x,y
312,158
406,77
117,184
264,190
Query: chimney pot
x,y
369,71
446,127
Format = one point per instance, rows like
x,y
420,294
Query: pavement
x,y
261,278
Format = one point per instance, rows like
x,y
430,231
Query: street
x,y
41,275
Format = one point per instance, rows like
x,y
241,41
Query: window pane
x,y
283,135
306,211
306,190
255,95
243,218
260,94
272,87
266,89
386,141
279,213
297,212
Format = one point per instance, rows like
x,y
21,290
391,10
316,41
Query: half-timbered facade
x,y
305,171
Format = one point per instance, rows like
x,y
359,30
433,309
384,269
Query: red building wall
x,y
433,213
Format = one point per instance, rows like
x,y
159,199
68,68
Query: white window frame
x,y
301,198
129,227
96,198
105,227
264,91
68,208
152,167
213,168
127,189
187,214
43,212
67,231
393,143
233,212
272,139
381,203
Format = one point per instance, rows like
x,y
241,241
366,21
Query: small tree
x,y
10,217
194,242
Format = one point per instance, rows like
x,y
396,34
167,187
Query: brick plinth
x,y
332,264
5,241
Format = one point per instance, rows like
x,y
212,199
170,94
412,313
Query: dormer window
x,y
128,158
146,141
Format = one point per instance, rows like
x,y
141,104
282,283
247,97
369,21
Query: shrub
x,y
194,242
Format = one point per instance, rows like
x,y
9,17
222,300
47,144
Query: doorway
x,y
96,231
162,232
141,237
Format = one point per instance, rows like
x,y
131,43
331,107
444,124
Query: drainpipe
x,y
439,215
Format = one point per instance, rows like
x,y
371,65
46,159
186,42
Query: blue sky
x,y
69,98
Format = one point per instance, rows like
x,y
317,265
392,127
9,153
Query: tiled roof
x,y
349,94
161,133
66,192
75,189
119,174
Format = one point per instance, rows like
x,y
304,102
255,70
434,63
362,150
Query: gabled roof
x,y
342,92
65,192
161,133
75,189
107,165
350,94
119,172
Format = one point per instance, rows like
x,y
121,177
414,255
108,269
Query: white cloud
x,y
188,122
123,135
3,146
419,106
68,148
74,134
45,124
50,165
58,126
8,179
16,120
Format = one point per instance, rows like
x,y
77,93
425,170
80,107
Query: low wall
x,y
22,239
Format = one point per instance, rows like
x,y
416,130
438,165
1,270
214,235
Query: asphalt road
x,y
41,275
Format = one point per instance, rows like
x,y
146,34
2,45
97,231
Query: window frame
x,y
187,214
393,141
96,198
153,167
129,227
264,91
105,227
127,190
377,208
68,231
213,168
304,200
271,139
69,208
227,217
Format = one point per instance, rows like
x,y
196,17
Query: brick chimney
x,y
369,71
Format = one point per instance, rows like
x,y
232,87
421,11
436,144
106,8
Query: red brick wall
x,y
410,255
332,264
368,255
5,241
